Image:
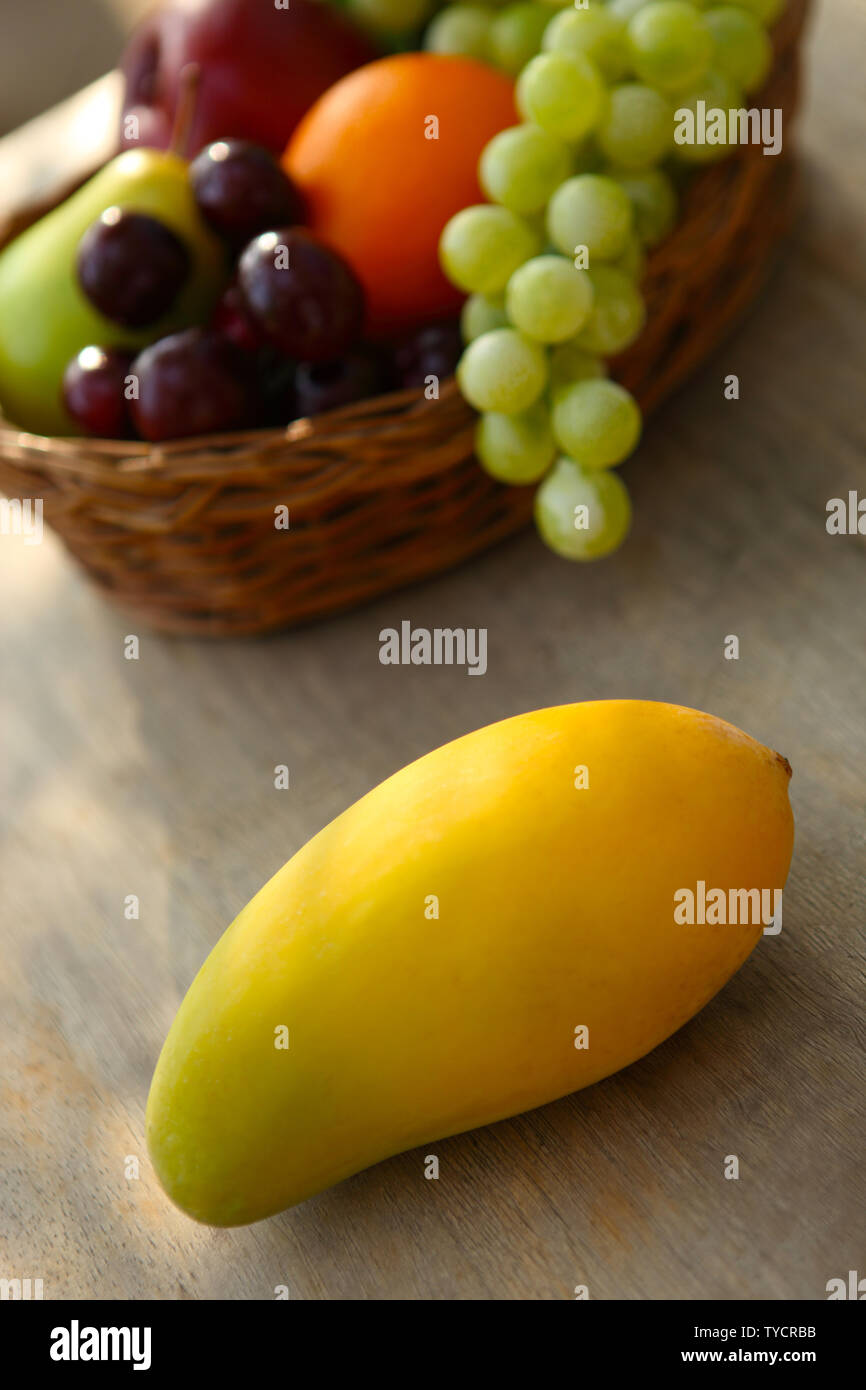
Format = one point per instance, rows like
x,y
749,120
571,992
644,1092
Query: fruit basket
x,y
386,492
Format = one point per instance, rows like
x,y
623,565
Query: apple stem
x,y
187,96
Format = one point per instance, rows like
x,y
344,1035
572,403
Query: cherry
x,y
231,320
321,386
191,383
301,294
241,190
94,392
131,267
431,351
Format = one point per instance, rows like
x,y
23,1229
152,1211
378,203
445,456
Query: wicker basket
x,y
387,492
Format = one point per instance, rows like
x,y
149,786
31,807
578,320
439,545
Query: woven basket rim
x,y
140,457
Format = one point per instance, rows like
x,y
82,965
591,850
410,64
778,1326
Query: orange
x,y
384,158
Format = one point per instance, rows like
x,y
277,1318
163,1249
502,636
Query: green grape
x,y
593,211
741,49
561,92
460,29
482,246
624,10
516,449
633,259
767,11
618,312
515,36
580,514
669,44
654,203
594,32
480,315
548,299
636,128
502,371
392,15
522,166
570,363
717,93
596,422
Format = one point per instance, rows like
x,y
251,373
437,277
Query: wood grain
x,y
155,778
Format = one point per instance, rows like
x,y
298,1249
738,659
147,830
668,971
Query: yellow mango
x,y
433,956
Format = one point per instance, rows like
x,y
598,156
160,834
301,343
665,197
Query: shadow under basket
x,y
385,493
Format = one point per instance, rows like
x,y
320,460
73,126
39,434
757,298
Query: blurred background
x,y
86,37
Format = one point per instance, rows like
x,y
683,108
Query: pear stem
x,y
187,96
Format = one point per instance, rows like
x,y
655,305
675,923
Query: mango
x,y
498,924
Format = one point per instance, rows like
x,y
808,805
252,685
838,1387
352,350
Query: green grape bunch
x,y
579,192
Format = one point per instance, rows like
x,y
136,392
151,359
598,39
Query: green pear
x,y
45,318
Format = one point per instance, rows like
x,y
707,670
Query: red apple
x,y
261,66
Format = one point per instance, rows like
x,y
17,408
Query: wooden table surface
x,y
155,778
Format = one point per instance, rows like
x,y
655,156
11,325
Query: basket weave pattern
x,y
386,492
